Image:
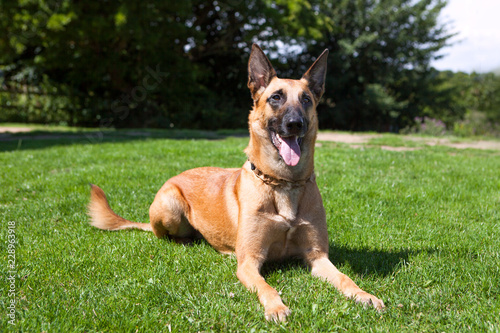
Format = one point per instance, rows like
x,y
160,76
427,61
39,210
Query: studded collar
x,y
276,182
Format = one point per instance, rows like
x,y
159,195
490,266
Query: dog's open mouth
x,y
288,147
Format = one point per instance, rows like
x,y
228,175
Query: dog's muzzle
x,y
287,136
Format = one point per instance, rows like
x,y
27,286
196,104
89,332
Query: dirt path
x,y
14,129
355,139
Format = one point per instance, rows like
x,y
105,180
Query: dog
x,y
271,207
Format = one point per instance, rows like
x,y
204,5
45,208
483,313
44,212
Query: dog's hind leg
x,y
168,214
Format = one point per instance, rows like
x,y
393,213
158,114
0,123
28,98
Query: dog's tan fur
x,y
267,209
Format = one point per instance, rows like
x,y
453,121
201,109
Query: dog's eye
x,y
276,97
306,99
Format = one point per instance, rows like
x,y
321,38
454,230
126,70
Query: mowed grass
x,y
419,229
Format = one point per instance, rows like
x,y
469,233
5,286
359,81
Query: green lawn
x,y
419,229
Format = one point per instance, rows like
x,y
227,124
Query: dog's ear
x,y
260,71
316,74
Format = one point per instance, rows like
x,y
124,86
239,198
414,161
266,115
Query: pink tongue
x,y
290,150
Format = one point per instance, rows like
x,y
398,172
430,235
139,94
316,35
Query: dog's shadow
x,y
361,261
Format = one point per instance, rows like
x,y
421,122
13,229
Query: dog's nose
x,y
295,124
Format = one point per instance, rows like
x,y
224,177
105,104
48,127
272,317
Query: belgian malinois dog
x,y
270,208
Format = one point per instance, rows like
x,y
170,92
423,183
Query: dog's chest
x,y
286,202
286,223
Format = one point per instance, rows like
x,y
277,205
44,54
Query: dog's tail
x,y
103,217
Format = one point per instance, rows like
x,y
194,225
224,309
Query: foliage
x,y
380,76
171,63
476,123
419,229
485,95
466,104
426,126
127,63
478,95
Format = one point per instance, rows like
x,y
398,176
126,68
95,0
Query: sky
x,y
477,45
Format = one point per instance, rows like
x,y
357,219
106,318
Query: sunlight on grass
x,y
419,229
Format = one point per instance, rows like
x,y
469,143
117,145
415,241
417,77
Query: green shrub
x,y
426,126
476,123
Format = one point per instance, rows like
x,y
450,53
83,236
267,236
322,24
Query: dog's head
x,y
283,123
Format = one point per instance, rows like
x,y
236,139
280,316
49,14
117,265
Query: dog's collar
x,y
276,182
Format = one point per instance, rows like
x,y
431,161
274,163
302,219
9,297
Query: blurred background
x,y
394,65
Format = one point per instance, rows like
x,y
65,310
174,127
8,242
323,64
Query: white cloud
x,y
477,45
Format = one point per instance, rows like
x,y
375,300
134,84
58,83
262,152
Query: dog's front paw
x,y
369,300
278,313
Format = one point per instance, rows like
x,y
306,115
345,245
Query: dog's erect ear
x,y
316,74
260,70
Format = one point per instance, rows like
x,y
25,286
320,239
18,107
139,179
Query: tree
x,y
183,63
380,60
102,56
97,54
